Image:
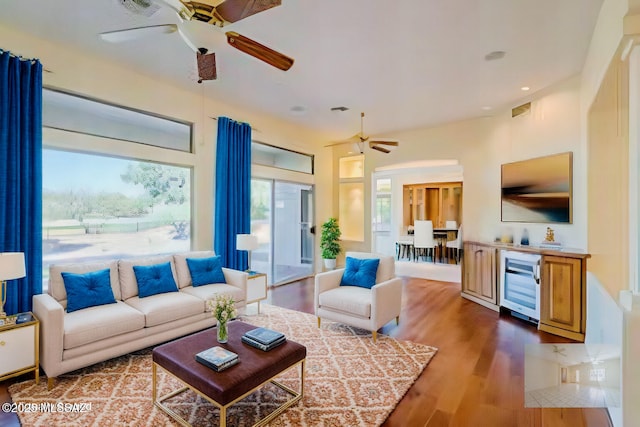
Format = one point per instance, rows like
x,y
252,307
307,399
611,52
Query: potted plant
x,y
329,242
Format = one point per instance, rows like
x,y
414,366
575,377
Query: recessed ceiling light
x,y
525,88
486,108
298,110
496,54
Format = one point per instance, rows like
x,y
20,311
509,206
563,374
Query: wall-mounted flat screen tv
x,y
538,190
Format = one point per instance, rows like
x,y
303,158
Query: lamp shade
x,y
11,265
246,242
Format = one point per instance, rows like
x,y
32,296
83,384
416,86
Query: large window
x,y
103,196
73,113
597,374
281,158
99,208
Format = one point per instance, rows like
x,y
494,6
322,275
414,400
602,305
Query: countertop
x,y
565,252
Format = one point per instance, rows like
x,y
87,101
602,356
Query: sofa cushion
x,y
56,284
205,271
88,289
352,300
97,323
182,269
154,279
360,272
208,292
163,308
128,282
386,269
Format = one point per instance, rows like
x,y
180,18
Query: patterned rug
x,y
349,381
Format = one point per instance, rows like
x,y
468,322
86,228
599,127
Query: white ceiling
x,y
407,64
573,354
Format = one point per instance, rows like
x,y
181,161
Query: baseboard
x,y
480,301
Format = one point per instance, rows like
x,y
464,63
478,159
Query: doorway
x,y
281,218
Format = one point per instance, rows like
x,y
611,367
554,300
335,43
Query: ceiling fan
x,y
360,139
219,15
559,350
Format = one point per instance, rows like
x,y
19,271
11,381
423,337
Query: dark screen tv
x,y
538,190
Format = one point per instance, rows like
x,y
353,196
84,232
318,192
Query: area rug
x,y
349,381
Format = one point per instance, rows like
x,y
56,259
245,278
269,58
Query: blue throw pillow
x,y
205,271
154,279
360,272
88,289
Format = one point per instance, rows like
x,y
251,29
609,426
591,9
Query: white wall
x,y
540,373
482,145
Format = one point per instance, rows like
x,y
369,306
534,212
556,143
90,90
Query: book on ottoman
x,y
264,336
217,358
264,347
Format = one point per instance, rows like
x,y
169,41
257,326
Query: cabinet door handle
x,y
2,343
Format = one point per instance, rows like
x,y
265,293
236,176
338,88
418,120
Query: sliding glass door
x,y
281,218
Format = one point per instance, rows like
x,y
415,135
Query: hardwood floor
x,y
475,379
477,376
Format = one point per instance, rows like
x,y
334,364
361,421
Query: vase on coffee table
x,y
223,332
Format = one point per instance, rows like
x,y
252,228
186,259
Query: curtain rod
x,y
21,58
238,121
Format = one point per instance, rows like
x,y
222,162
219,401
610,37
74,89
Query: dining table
x,y
405,249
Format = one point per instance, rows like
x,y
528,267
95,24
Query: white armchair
x,y
358,306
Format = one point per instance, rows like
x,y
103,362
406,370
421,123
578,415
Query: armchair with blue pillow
x,y
365,294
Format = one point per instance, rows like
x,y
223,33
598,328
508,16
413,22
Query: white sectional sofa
x,y
69,341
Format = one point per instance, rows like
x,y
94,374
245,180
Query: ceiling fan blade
x,y
119,36
390,143
355,139
378,148
348,141
235,10
259,51
206,66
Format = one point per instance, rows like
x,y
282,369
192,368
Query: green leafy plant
x,y
329,239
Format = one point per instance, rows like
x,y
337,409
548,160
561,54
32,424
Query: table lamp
x,y
247,242
11,267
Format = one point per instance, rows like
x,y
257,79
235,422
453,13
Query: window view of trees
x,y
98,207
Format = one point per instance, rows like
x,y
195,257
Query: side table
x,y
256,288
20,346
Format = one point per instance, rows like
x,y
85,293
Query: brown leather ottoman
x,y
225,388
